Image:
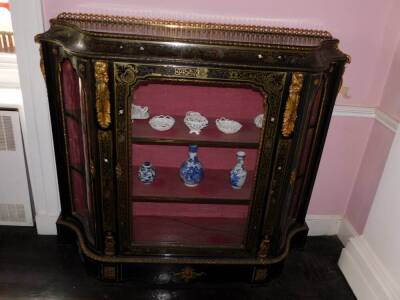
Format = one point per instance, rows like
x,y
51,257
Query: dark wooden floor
x,y
37,267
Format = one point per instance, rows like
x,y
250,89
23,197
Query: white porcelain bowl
x,y
258,121
228,126
161,122
139,112
195,122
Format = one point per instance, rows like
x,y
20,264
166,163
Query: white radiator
x,y
15,205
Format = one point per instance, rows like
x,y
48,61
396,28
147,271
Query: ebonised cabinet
x,y
97,66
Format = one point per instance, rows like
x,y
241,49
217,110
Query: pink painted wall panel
x,y
359,24
390,101
344,148
390,54
369,175
386,44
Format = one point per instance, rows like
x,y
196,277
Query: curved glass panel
x,y
77,145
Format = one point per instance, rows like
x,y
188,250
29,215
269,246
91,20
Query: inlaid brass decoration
x,y
125,20
192,72
109,244
293,177
81,68
126,74
92,168
290,115
187,274
104,136
103,106
109,272
260,274
118,170
263,249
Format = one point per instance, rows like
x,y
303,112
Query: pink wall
x,y
390,101
391,53
342,156
381,137
370,172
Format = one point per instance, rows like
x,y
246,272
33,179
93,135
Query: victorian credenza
x,y
279,84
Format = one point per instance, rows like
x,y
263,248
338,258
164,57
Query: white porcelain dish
x,y
258,121
162,122
228,126
195,121
139,112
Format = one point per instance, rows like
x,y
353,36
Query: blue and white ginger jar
x,y
191,171
146,173
238,173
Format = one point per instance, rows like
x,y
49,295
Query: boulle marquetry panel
x,y
96,67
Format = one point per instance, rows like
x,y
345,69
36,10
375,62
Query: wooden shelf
x,y
168,187
188,231
247,137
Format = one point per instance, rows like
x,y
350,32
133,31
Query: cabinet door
x,y
166,216
75,117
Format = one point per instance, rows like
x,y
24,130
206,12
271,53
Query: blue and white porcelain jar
x,y
191,171
146,173
238,173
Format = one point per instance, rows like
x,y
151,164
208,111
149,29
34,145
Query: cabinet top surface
x,y
153,40
208,33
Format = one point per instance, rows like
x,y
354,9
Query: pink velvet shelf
x,y
188,231
168,187
247,137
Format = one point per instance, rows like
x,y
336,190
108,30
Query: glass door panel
x,y
189,224
166,211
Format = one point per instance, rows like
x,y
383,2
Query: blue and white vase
x,y
238,173
191,170
146,173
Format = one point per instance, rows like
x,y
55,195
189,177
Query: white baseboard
x,y
366,275
346,231
323,224
46,224
354,111
366,112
